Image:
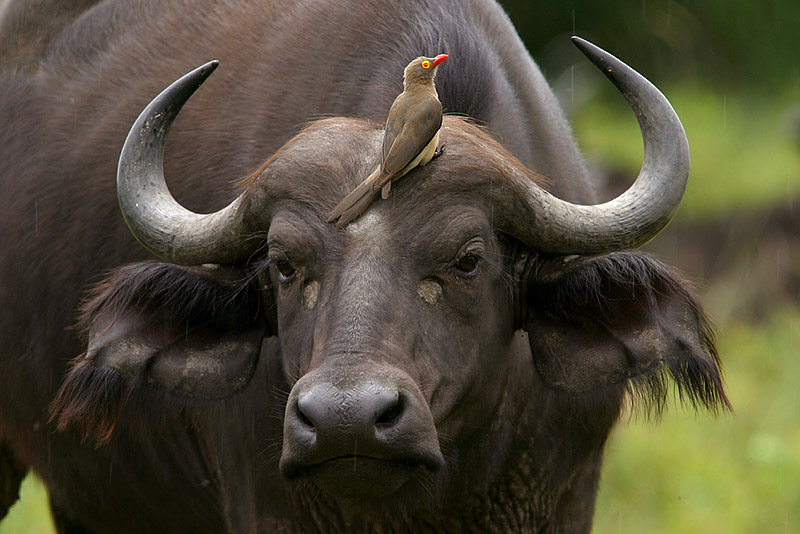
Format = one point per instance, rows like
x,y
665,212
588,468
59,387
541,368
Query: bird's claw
x,y
438,152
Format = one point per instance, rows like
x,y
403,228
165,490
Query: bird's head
x,y
422,69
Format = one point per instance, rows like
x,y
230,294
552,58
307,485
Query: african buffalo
x,y
451,361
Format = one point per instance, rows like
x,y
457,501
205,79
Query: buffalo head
x,y
468,321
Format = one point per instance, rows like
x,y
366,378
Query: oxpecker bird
x,y
411,138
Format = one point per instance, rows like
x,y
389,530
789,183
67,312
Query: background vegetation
x,y
730,67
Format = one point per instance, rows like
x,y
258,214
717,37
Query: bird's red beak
x,y
438,59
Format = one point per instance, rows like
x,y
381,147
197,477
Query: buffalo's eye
x,y
467,265
286,271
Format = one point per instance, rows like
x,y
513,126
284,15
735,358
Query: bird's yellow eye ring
x,y
426,64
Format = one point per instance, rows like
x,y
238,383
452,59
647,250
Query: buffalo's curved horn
x,y
555,226
156,219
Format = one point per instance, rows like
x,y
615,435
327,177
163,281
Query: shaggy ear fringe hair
x,y
591,284
93,398
162,291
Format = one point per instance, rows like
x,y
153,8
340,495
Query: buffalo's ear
x,y
162,330
623,320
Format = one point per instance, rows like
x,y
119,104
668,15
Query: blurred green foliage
x,y
730,44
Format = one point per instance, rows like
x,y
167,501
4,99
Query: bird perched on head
x,y
410,139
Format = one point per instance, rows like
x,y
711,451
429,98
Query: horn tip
x,y
205,70
597,55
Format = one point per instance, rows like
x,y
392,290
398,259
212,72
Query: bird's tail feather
x,y
354,204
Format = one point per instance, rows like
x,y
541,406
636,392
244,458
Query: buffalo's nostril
x,y
302,418
391,414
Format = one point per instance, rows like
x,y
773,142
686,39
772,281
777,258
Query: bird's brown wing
x,y
409,133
